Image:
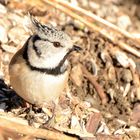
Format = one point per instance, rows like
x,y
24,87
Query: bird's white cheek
x,y
55,59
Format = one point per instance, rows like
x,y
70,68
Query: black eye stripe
x,y
36,37
55,43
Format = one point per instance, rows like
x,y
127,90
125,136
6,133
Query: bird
x,y
39,71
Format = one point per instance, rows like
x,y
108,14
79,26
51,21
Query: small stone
x,y
124,22
135,117
3,34
112,74
75,123
122,58
94,5
6,59
8,48
76,75
17,34
126,75
138,67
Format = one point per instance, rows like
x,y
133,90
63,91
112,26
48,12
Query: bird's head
x,y
48,46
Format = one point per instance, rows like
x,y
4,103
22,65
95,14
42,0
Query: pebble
x,y
135,117
122,58
3,35
17,34
75,123
9,49
138,67
112,74
94,5
76,75
126,75
124,22
6,59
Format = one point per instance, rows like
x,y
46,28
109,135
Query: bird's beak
x,y
75,48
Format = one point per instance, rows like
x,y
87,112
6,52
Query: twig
x,y
94,17
93,122
33,132
108,137
93,27
5,134
98,88
10,117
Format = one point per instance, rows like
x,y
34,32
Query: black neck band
x,y
52,71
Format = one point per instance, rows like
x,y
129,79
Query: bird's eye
x,y
56,44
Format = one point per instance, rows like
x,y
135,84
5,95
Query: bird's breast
x,y
35,87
